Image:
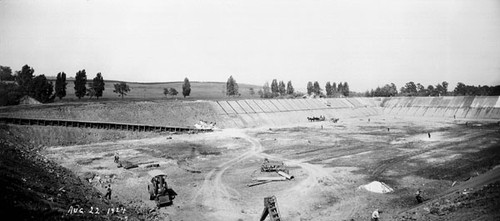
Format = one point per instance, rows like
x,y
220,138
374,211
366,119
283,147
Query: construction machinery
x,y
271,209
159,190
273,166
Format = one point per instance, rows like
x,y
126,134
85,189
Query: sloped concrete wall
x,y
486,107
259,113
281,112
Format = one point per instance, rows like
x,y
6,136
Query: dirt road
x,y
297,200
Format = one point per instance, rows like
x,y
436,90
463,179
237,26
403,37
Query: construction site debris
x,y
205,125
152,165
273,166
127,165
269,178
257,183
286,175
271,209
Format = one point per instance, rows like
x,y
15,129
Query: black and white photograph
x,y
250,110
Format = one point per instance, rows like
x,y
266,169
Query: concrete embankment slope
x,y
281,112
226,114
485,107
259,112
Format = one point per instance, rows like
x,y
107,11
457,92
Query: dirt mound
x,y
377,187
28,100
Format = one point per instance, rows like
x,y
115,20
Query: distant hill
x,y
148,91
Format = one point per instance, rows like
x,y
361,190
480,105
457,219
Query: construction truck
x,y
158,189
273,166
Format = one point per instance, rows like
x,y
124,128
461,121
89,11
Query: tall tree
x,y
340,88
439,90
316,88
6,73
421,91
80,84
231,87
61,85
98,85
274,87
460,89
328,89
445,88
310,88
289,88
282,88
186,88
432,91
334,88
346,89
10,94
410,89
42,89
24,79
121,89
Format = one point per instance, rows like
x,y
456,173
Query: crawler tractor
x,y
158,189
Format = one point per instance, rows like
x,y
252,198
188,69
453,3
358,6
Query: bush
x,y
10,94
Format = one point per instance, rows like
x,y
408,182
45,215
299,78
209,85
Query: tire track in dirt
x,y
213,193
220,198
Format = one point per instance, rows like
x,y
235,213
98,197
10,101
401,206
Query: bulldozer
x,y
273,166
159,190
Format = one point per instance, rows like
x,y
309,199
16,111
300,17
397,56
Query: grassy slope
x,y
199,91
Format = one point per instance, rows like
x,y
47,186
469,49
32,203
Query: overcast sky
x,y
367,43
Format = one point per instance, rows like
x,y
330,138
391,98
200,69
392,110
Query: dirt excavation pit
x,y
211,172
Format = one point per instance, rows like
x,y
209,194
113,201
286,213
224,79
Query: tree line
x,y
25,83
441,89
276,89
331,90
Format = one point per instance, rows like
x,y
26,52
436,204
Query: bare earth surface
x,y
329,161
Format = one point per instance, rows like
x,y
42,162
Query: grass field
x,y
148,91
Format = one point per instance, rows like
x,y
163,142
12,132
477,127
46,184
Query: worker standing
x,y
117,157
162,185
155,186
108,192
376,215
